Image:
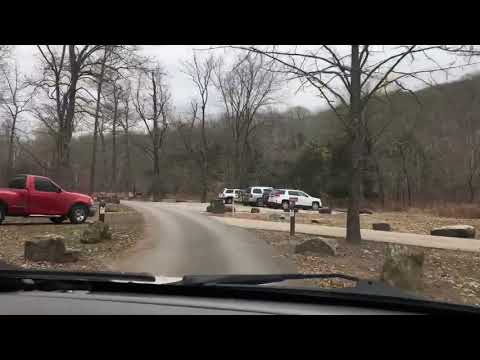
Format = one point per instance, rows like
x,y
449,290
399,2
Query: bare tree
x,y
201,74
347,81
116,62
126,122
246,88
64,67
16,100
152,104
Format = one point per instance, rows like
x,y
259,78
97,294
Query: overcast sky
x,y
183,91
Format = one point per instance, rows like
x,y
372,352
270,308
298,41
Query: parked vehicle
x,y
281,198
254,195
265,196
229,194
30,195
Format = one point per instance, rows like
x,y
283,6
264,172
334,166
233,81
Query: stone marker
x,y
381,227
96,232
255,210
216,206
317,246
462,231
403,268
325,210
49,247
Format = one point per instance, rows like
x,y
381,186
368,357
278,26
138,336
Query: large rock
x,y
317,246
325,210
381,227
365,211
50,247
276,217
216,207
403,268
255,210
462,231
95,233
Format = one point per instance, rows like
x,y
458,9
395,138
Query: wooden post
x,y
292,217
101,211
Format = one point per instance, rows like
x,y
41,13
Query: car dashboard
x,y
85,303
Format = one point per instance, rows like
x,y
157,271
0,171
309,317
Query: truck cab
x,y
39,196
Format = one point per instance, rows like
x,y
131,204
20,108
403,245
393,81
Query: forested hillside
x,y
429,148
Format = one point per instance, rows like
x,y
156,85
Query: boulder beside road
x,y
95,233
216,206
462,231
50,247
381,227
317,246
403,268
325,210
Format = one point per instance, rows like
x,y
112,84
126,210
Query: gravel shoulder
x,y
451,276
126,225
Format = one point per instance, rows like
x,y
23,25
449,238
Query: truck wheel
x,y
78,214
285,205
58,220
315,206
228,200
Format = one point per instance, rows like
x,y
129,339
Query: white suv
x,y
281,198
229,194
254,195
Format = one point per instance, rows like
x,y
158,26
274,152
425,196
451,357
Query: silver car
x,y
254,195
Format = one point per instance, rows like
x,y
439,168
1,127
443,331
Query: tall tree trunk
x,y
106,180
353,215
11,138
156,174
64,172
128,158
93,162
204,158
407,176
381,186
114,146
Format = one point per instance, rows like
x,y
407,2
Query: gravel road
x,y
180,240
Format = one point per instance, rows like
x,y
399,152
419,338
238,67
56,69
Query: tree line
x,y
101,118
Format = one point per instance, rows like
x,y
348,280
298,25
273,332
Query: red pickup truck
x,y
31,195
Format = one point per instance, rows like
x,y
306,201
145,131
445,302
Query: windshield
x,y
149,136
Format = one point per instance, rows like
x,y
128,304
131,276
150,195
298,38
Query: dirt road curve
x,y
180,240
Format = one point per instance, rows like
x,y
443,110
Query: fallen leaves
x,y
452,276
127,228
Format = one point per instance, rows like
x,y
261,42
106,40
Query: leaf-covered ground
x,y
451,276
126,225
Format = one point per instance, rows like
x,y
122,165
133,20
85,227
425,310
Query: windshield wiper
x,y
362,287
76,275
257,279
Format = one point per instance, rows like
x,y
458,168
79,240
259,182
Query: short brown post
x,y
101,211
292,217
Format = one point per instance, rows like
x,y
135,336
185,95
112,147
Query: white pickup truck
x,y
229,194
